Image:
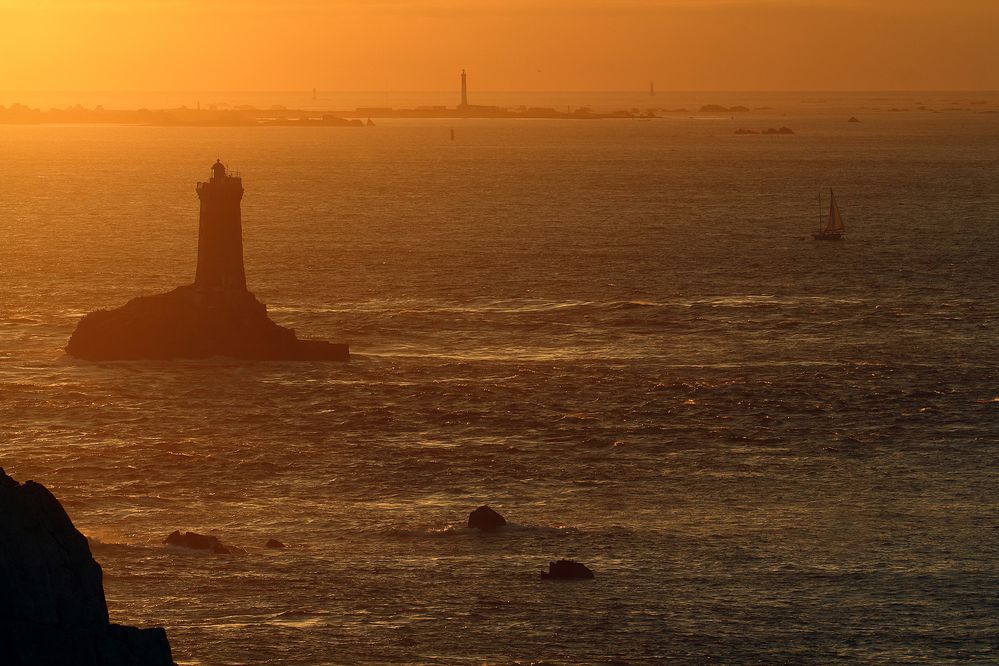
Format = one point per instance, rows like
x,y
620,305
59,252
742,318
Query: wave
x,y
468,532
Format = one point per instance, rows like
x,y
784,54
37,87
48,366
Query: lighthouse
x,y
220,233
215,316
464,88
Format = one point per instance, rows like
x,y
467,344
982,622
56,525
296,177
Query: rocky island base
x,y
194,324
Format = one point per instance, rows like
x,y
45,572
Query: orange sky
x,y
134,45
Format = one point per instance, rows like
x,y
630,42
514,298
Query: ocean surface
x,y
619,334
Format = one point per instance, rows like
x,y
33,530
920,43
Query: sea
x,y
620,334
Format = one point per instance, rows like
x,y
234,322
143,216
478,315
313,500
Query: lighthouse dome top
x,y
218,169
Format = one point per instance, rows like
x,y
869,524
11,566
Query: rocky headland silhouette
x,y
215,316
52,605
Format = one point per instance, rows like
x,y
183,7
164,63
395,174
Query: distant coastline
x,y
18,114
246,115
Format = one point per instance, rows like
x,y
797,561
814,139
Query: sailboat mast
x,y
832,211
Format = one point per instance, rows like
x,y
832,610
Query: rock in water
x,y
195,541
52,606
567,570
485,519
192,323
215,316
274,543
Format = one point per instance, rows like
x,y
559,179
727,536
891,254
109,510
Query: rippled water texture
x,y
619,334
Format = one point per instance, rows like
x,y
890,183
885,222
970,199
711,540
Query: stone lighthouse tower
x,y
220,233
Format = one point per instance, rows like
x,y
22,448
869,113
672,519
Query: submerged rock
x,y
274,543
195,541
52,606
567,570
485,519
193,323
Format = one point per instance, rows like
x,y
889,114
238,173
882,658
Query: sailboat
x,y
833,229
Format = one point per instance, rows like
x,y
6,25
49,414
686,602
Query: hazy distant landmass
x,y
343,110
769,130
248,116
476,111
717,108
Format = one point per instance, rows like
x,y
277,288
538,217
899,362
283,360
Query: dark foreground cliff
x,y
192,323
52,607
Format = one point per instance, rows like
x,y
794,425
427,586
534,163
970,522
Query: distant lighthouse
x,y
220,233
464,88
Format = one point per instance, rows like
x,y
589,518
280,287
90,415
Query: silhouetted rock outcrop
x,y
195,541
485,519
274,543
52,606
216,316
853,119
567,570
192,323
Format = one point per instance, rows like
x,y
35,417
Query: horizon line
x,y
528,91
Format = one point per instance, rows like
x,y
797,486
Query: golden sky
x,y
409,45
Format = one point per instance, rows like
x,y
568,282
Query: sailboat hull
x,y
829,236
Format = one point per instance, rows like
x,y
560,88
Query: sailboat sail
x,y
835,223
